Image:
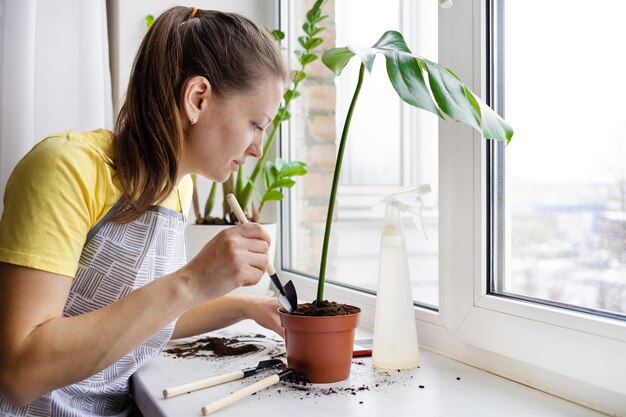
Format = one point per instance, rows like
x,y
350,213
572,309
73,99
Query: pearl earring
x,y
193,121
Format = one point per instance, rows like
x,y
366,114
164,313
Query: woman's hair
x,y
229,50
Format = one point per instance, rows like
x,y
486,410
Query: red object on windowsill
x,y
361,353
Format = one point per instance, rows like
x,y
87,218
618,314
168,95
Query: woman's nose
x,y
256,148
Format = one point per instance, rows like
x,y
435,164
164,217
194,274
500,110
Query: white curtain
x,y
54,73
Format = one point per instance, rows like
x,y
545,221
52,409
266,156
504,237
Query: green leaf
x,y
279,118
313,14
404,72
307,59
318,29
320,18
307,27
494,126
315,11
299,76
278,34
149,20
313,43
390,44
283,182
450,95
407,79
288,96
272,195
336,59
303,40
447,93
293,169
292,164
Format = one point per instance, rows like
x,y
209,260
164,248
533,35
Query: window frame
x,y
570,354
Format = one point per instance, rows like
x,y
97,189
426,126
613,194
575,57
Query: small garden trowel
x,y
287,296
219,379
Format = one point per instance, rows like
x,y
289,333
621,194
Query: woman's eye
x,y
257,127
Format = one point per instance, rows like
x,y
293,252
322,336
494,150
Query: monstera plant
x,y
418,82
320,334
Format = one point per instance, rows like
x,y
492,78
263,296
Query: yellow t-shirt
x,y
56,194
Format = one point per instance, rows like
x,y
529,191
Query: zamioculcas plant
x,y
419,82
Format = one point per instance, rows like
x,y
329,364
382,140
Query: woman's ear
x,y
195,94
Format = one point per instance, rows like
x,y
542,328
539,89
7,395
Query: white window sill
x,y
368,391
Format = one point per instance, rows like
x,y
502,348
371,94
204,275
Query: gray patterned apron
x,y
116,259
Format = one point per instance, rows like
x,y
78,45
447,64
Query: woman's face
x,y
229,129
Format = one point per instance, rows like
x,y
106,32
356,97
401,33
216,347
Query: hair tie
x,y
194,9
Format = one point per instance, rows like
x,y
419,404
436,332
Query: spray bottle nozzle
x,y
407,200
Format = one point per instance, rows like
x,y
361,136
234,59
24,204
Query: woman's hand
x,y
264,310
227,310
237,256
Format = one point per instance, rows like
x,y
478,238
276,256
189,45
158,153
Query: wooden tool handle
x,y
234,205
204,383
238,395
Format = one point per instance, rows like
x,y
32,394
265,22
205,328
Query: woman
x,y
92,219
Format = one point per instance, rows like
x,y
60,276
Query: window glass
x,y
566,166
373,150
391,146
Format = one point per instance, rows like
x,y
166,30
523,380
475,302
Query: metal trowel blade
x,y
291,295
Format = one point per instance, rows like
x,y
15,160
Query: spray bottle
x,y
395,343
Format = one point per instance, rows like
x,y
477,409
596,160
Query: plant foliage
x,y
420,83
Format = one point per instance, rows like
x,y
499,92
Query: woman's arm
x,y
40,350
228,310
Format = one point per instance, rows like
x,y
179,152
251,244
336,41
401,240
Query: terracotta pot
x,y
320,346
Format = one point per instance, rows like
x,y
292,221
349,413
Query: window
x,y
531,336
509,324
563,213
391,146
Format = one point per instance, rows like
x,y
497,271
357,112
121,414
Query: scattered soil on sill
x,y
313,391
325,308
217,347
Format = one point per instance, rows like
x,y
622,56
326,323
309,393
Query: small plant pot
x,y
321,346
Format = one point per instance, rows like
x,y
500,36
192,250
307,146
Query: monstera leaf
x,y
441,92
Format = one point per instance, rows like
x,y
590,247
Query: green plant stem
x,y
333,192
